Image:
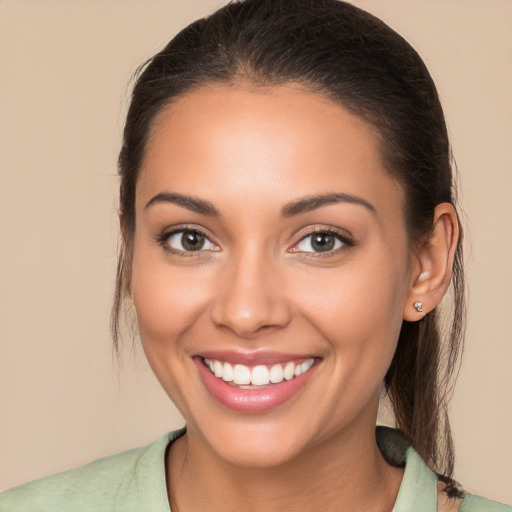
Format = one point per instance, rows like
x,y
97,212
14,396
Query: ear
x,y
432,265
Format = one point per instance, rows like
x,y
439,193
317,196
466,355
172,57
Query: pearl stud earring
x,y
418,306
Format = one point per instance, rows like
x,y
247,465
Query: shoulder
x,y
421,489
473,503
112,483
80,488
98,480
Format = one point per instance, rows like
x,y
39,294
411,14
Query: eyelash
x,y
346,241
163,240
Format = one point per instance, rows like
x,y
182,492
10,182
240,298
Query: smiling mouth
x,y
255,377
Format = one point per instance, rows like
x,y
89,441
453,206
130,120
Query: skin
x,y
256,287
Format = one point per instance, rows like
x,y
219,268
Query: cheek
x,y
358,309
168,299
170,303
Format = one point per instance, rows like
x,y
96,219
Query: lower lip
x,y
252,400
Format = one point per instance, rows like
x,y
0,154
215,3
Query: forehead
x,y
273,142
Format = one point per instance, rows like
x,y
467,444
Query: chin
x,y
259,445
261,453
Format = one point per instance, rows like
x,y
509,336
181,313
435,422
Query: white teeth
x,y
276,374
242,375
289,371
228,373
260,375
306,365
217,368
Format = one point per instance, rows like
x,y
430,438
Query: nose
x,y
250,297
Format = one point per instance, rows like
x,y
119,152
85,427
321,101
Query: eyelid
x,y
163,237
342,235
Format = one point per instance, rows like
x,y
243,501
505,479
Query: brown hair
x,y
348,55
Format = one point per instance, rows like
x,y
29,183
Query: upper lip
x,y
252,358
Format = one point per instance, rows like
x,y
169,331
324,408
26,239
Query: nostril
x,y
245,322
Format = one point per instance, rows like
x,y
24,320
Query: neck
x,y
345,473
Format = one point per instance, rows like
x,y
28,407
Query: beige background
x,y
64,68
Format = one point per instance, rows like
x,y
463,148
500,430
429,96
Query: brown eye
x,y
323,241
190,240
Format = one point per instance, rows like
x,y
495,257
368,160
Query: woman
x,y
289,229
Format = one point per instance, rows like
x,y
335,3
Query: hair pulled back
x,y
346,54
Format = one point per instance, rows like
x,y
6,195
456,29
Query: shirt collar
x,y
418,490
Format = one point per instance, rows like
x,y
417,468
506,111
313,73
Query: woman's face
x,y
269,240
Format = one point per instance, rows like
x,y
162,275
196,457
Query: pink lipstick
x,y
254,383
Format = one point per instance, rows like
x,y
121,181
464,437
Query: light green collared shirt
x,y
135,481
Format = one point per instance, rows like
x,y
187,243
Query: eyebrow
x,y
303,205
191,203
310,203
